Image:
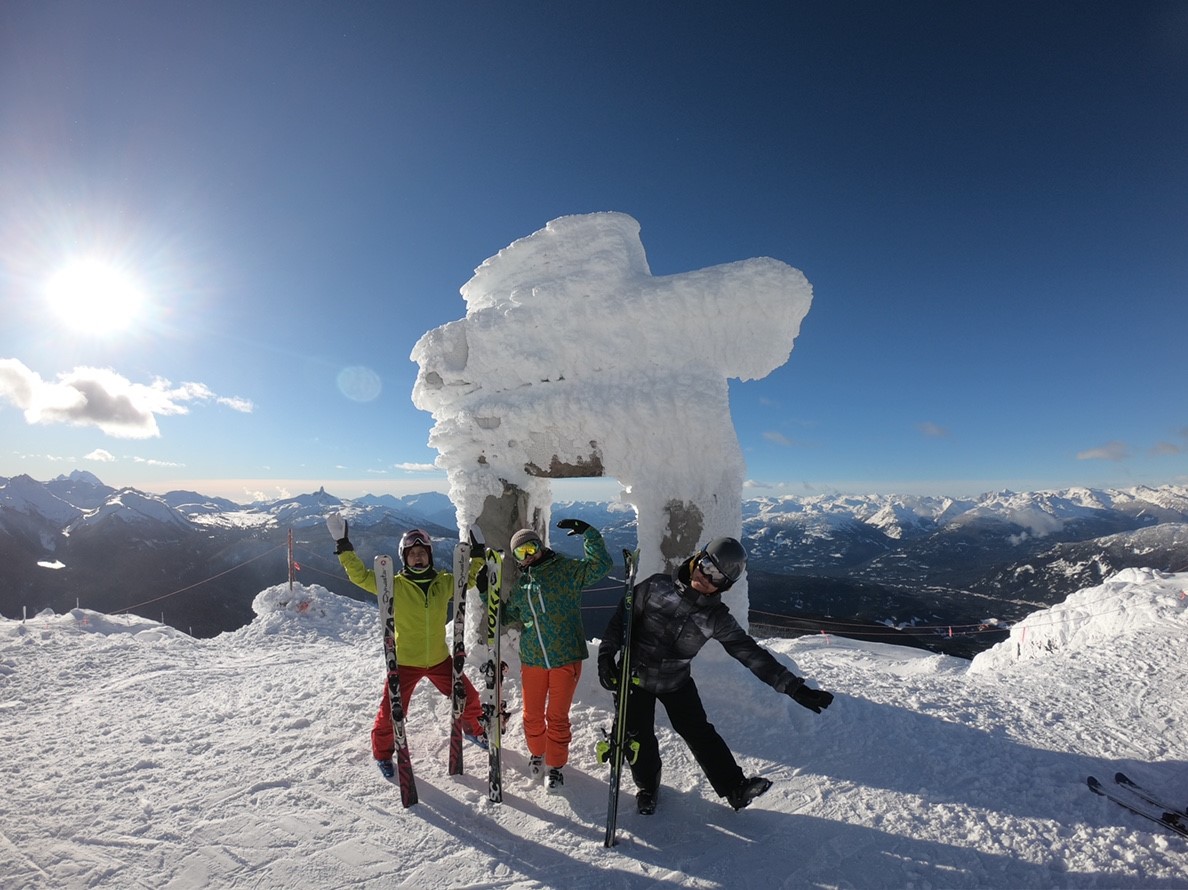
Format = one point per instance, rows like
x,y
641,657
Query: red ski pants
x,y
383,743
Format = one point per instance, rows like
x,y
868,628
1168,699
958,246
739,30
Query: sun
x,y
94,296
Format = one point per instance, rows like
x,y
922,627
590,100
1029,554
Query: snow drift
x,y
133,755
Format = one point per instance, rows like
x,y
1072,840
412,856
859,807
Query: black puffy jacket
x,y
672,622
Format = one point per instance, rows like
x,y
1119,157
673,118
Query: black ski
x,y
1176,822
618,746
458,654
384,581
1149,796
494,707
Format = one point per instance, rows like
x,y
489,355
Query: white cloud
x,y
235,403
100,397
1108,451
151,462
258,495
1160,449
757,486
777,438
100,454
416,468
932,430
52,458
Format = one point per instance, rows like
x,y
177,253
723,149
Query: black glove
x,y
816,700
482,580
608,677
575,526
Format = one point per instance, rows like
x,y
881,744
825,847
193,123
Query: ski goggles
x,y
528,548
413,538
710,569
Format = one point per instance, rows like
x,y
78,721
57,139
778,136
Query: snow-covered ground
x,y
134,756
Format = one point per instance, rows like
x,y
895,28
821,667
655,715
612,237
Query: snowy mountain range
x,y
876,560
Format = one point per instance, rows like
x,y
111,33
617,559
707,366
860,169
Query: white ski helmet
x,y
415,537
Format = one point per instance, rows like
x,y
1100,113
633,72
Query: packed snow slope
x,y
134,756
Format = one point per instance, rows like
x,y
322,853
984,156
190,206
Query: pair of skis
x,y
385,586
462,552
1132,796
493,686
617,746
495,714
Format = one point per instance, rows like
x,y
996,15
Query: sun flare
x,y
94,296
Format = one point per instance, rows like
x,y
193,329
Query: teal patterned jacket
x,y
547,600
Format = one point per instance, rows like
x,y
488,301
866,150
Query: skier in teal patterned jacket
x,y
547,601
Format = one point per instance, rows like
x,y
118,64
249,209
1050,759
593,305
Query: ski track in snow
x,y
134,756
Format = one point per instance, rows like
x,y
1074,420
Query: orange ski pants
x,y
548,695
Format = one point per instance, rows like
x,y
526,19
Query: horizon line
x,y
259,490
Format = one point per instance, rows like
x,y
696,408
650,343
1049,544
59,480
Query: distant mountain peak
x,y
82,476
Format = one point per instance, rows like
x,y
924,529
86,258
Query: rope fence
x,y
839,627
180,590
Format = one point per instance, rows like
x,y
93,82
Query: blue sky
x,y
988,199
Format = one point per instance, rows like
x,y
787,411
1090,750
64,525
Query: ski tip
x,y
1122,779
1094,785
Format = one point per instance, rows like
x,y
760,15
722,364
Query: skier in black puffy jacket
x,y
674,616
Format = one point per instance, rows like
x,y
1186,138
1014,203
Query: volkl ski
x,y
494,707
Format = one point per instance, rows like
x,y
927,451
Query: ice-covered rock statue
x,y
573,360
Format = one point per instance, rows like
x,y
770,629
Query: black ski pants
x,y
687,716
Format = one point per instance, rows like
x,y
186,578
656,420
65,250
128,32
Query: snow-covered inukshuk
x,y
573,360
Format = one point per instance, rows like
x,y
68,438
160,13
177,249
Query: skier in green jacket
x,y
547,602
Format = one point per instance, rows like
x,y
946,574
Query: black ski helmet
x,y
728,555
